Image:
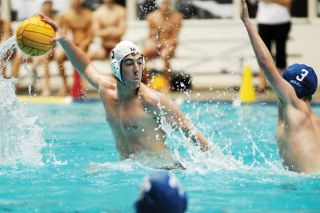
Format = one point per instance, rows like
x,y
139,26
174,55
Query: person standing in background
x,y
164,28
47,10
5,33
5,30
273,18
109,24
77,21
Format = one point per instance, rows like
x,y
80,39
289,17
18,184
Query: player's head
x,y
126,58
303,79
161,192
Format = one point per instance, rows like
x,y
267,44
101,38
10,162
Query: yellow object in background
x,y
247,92
159,83
34,36
46,99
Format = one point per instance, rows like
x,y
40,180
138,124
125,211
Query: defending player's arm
x,y
79,60
282,88
178,121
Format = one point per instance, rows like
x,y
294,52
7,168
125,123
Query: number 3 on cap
x,y
303,75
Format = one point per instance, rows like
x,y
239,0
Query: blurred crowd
x,y
97,27
104,25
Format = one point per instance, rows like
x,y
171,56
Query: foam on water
x,y
20,137
192,158
6,50
222,155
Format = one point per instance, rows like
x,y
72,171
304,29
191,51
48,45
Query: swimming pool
x,y
69,163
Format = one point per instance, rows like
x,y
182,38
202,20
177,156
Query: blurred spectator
x,y
146,7
273,18
109,24
23,9
77,21
47,10
161,193
91,4
164,27
5,30
5,33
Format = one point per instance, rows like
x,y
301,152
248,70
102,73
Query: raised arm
x,y
178,121
282,88
77,57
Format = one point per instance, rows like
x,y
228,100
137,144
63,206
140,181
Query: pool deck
x,y
223,95
230,95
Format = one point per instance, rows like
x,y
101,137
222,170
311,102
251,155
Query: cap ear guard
x,y
116,70
143,62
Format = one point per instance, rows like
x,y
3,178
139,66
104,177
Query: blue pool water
x,y
65,161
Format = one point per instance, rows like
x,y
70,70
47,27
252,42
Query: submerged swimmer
x,y
298,128
132,109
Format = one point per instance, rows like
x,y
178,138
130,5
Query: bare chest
x,y
73,22
132,120
298,145
164,26
108,18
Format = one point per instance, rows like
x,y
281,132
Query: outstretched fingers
x,y
53,24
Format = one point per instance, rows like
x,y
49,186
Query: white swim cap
x,y
119,52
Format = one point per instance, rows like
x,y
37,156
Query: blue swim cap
x,y
303,79
161,192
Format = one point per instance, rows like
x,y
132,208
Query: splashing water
x,y
6,50
20,138
192,157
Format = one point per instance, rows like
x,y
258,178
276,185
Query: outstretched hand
x,y
244,11
53,24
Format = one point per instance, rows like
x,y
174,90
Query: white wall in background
x,y
27,8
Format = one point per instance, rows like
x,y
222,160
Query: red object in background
x,y
77,91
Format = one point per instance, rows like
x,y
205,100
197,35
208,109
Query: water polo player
x,y
132,109
298,128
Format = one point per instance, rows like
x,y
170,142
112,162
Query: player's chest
x,y
132,118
